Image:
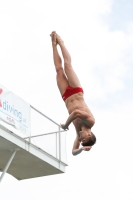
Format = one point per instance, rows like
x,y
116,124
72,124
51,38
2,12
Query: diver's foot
x,y
58,39
53,38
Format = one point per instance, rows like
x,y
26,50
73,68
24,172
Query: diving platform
x,y
41,151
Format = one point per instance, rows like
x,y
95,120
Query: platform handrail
x,y
43,134
58,134
44,115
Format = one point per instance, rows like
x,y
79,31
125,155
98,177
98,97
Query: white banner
x,y
14,111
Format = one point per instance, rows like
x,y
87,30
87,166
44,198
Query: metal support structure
x,y
8,164
9,141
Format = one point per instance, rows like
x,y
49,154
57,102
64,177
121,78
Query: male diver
x,y
72,94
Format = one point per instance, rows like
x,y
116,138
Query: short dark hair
x,y
91,140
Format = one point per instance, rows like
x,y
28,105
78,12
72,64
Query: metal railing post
x,y
56,145
59,147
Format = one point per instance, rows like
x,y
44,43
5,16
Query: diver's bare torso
x,y
76,102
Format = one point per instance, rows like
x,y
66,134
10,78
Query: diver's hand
x,y
64,127
86,148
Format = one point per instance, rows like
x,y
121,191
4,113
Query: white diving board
x,y
24,160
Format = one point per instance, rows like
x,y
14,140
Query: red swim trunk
x,y
70,91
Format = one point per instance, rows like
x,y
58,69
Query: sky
x,y
99,37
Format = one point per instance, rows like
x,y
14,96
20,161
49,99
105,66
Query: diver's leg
x,y
60,77
71,75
